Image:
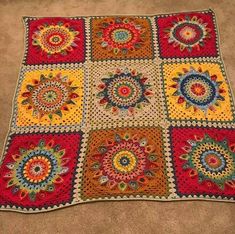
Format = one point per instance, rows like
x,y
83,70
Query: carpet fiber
x,y
118,108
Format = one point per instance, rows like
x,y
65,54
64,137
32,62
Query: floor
x,y
110,217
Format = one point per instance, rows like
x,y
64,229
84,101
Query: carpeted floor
x,y
110,217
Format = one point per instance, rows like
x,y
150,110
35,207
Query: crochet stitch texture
x,y
119,108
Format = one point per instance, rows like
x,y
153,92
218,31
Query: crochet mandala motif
x,y
119,108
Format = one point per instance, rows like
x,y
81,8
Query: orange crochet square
x,y
125,161
50,97
121,38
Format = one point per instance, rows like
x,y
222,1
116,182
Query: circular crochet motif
x,y
210,160
36,170
124,91
198,89
124,161
188,33
49,95
121,35
55,39
127,162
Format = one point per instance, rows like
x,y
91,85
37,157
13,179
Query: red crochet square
x,y
55,40
187,35
39,169
203,160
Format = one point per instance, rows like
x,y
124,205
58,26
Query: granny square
x,y
38,170
54,40
203,161
121,38
197,91
50,97
125,91
187,35
124,161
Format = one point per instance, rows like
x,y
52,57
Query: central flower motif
x,y
124,91
36,170
126,162
120,35
55,39
188,33
198,89
49,95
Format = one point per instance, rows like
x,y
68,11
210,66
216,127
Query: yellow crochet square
x,y
197,91
50,97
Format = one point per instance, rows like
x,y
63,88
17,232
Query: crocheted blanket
x,y
119,108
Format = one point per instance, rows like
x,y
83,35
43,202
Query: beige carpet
x,y
110,217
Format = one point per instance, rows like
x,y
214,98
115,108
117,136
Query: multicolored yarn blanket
x,y
119,108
